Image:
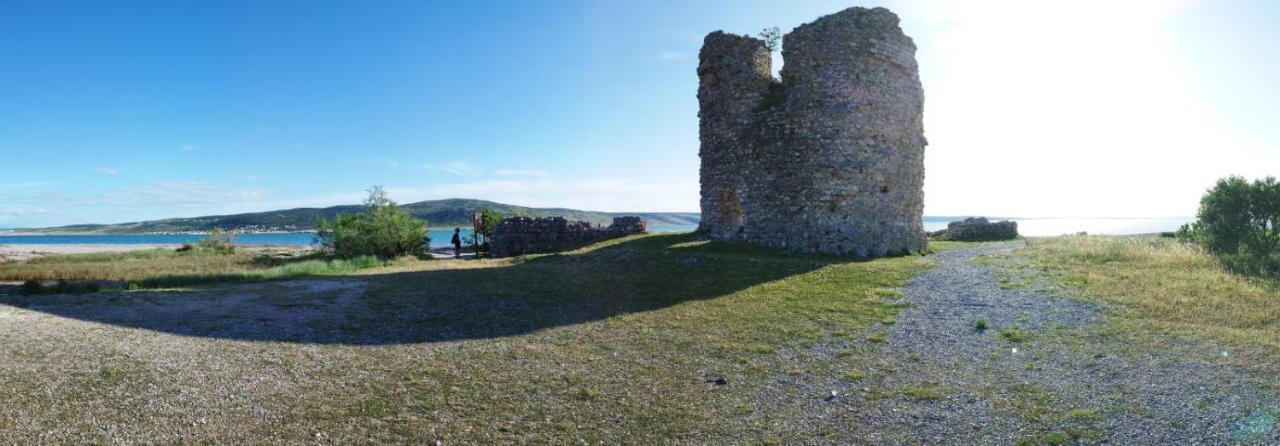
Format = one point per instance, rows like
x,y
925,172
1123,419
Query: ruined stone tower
x,y
831,158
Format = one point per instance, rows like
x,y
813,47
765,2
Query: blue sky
x,y
124,111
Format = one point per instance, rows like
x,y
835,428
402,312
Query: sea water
x,y
1038,227
441,237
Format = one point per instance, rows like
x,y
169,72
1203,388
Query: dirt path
x,y
1045,370
1040,373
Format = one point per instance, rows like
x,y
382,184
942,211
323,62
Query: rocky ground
x,y
982,351
985,356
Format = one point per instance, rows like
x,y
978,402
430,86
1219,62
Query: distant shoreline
x,y
21,252
21,233
28,233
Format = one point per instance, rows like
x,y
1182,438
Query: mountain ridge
x,y
437,213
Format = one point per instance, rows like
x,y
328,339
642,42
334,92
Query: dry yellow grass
x,y
1164,284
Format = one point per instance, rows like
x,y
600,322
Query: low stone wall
x,y
978,230
523,235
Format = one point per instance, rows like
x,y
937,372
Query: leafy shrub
x,y
1185,233
489,219
384,230
1239,221
219,241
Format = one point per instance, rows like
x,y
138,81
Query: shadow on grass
x,y
472,301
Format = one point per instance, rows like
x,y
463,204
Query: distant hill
x,y
437,213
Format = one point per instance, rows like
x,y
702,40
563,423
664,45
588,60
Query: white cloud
x,y
106,170
598,194
134,203
519,173
249,177
462,168
26,185
179,193
162,194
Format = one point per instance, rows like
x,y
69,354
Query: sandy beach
x,y
14,253
25,252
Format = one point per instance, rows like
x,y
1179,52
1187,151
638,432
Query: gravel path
x,y
1042,373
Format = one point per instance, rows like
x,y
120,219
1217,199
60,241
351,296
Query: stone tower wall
x,y
829,160
734,73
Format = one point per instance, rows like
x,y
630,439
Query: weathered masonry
x,y
829,159
523,235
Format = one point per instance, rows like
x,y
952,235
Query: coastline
x,y
30,233
18,253
22,233
21,252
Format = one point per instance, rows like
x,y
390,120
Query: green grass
x,y
1014,334
166,267
923,393
981,325
613,343
1082,415
1160,285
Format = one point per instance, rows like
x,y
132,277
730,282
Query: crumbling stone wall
x,y
828,159
978,230
523,235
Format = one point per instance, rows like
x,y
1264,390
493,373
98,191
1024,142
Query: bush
x,y
219,241
384,230
489,219
1185,233
1239,221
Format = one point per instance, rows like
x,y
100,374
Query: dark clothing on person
x,y
457,244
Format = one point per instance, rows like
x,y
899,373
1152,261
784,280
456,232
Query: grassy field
x,y
166,267
1160,285
640,340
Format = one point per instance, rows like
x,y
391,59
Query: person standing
x,y
457,243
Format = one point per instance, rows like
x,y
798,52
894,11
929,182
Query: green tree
x,y
1223,216
489,219
1239,221
384,229
772,37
